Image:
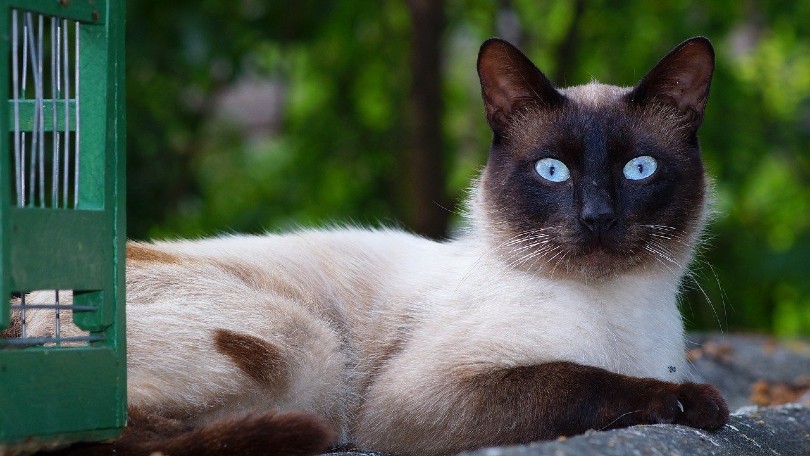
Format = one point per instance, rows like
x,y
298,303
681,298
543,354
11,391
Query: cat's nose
x,y
598,219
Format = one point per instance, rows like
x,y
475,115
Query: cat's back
x,y
317,258
290,246
337,276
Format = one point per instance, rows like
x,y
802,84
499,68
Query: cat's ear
x,y
510,82
681,79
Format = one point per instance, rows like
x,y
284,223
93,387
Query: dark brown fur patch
x,y
569,398
261,434
14,329
148,254
257,358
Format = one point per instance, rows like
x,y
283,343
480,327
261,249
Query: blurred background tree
x,y
259,115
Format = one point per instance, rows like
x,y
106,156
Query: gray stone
x,y
783,430
733,363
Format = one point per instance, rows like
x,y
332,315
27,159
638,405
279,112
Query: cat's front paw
x,y
703,406
691,404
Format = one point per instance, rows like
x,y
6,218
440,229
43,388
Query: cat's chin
x,y
600,263
594,263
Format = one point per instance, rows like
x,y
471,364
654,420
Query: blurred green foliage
x,y
341,69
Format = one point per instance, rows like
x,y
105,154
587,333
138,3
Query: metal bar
x,y
66,74
71,307
78,125
33,341
54,120
32,49
57,320
24,152
15,64
22,316
41,101
57,52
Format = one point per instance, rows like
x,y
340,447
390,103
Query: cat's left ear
x,y
681,79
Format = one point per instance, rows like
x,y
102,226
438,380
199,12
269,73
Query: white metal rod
x,y
57,323
32,49
15,70
23,136
41,108
54,115
66,75
23,325
78,124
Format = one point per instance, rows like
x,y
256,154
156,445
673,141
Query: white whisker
x,y
618,418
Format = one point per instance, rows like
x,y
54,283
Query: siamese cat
x,y
555,312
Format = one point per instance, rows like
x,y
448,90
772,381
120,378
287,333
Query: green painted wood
x,y
93,127
80,376
62,394
98,320
59,248
40,442
90,11
5,175
26,110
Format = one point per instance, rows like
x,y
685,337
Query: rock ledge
x,y
782,430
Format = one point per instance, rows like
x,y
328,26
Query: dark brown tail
x,y
266,434
14,329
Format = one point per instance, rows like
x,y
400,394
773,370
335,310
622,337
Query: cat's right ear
x,y
510,82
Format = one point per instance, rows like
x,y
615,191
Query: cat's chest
x,y
631,326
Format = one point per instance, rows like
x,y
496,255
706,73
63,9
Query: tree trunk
x,y
425,175
568,49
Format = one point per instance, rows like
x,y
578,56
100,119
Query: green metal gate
x,y
61,221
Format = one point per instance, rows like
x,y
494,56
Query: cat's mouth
x,y
590,259
601,255
605,255
597,256
588,255
598,242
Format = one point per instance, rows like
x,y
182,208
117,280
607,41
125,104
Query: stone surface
x,y
747,369
736,363
783,430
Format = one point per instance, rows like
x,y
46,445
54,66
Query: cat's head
x,y
594,180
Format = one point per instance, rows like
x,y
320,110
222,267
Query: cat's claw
x,y
702,406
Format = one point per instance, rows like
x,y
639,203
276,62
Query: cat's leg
x,y
453,410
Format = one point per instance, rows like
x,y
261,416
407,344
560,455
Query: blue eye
x,y
640,167
552,170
